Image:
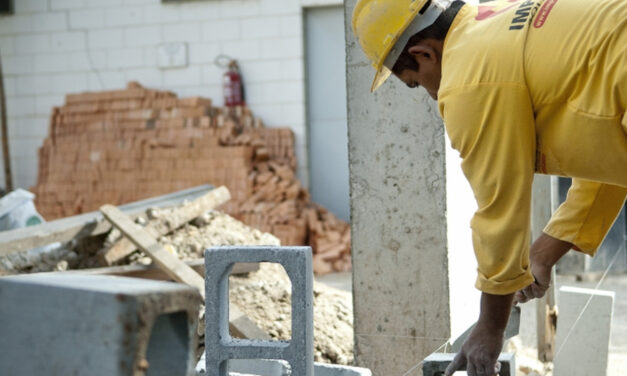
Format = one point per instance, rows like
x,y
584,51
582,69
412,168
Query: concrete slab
x,y
583,331
72,324
221,347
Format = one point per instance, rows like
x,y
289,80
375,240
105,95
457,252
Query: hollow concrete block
x,y
436,363
220,346
73,324
583,331
265,367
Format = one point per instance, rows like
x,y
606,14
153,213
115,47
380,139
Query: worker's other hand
x,y
479,353
543,254
541,283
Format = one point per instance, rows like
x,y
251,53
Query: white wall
x,y
53,47
462,264
461,206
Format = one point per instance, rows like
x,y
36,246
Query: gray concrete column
x,y
398,216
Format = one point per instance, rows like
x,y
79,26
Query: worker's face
x,y
429,73
428,79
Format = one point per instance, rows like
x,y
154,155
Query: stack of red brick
x,y
121,146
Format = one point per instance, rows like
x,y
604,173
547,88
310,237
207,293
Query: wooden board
x,y
166,261
176,269
159,227
84,225
152,272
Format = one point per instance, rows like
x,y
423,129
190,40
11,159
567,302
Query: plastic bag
x,y
17,210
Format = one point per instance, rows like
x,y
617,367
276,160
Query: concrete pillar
x,y
583,332
398,217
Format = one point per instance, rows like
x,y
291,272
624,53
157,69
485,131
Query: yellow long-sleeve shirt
x,y
537,86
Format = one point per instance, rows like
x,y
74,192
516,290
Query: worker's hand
x,y
544,253
479,353
481,349
541,283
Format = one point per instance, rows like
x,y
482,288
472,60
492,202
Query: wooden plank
x,y
152,272
84,225
176,269
173,267
545,307
158,227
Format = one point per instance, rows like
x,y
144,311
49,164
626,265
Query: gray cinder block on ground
x,y
583,331
436,363
220,346
265,367
72,324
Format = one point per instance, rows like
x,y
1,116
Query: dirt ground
x,y
265,297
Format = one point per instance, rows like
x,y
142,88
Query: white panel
x,y
583,331
326,97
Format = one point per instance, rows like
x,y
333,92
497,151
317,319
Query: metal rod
x,y
6,156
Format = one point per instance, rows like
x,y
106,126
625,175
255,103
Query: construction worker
x,y
523,86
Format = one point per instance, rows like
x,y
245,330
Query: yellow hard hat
x,y
383,28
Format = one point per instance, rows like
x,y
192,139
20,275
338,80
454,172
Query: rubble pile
x,y
125,145
264,296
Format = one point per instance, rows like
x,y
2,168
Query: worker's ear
x,y
424,52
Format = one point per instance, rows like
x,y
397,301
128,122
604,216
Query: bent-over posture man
x,y
523,86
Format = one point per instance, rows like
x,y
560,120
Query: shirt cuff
x,y
509,286
558,232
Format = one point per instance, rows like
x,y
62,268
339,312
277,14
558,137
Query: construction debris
x,y
120,146
77,228
166,261
157,227
264,296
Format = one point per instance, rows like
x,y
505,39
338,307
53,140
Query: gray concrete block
x,y
72,324
220,346
583,331
265,367
321,369
436,363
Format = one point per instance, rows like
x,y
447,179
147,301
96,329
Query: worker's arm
x,y
581,222
481,350
544,253
587,214
492,127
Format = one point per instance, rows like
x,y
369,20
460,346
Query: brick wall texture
x,y
125,145
53,47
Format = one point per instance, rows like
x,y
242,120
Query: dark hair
x,y
436,31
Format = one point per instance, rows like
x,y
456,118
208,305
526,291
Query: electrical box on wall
x,y
172,55
178,1
6,7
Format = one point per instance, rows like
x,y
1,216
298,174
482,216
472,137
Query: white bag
x,y
17,210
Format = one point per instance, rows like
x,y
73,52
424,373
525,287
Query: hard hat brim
x,y
383,73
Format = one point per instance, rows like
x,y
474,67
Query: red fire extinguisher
x,y
232,85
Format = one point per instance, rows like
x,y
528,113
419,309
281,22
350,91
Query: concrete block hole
x,y
168,347
273,292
